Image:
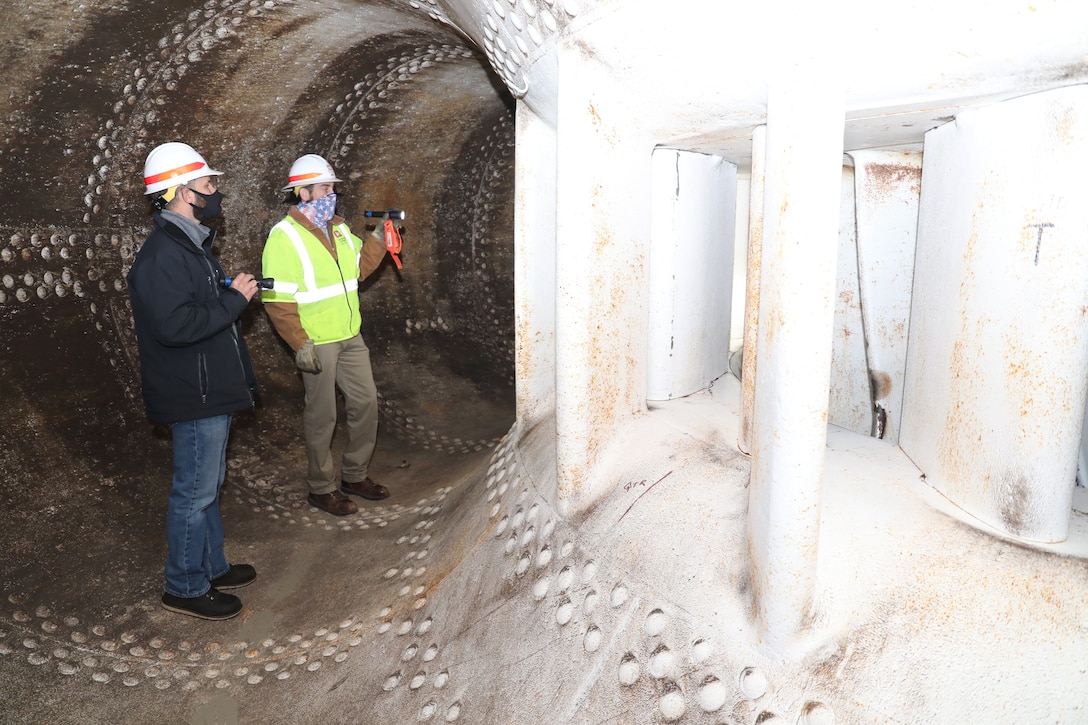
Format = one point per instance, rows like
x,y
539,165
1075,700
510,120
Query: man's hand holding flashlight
x,y
246,284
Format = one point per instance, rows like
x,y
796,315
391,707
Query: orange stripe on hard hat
x,y
173,172
303,177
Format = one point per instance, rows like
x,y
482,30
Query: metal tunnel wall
x,y
409,114
585,527
412,117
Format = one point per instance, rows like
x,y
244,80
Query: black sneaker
x,y
236,577
213,604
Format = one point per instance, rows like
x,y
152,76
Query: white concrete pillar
x,y
887,190
602,238
805,120
692,209
534,266
997,361
750,353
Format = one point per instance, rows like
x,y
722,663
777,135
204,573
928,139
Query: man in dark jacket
x,y
196,372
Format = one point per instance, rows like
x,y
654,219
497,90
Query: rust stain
x,y
594,115
774,323
1066,127
598,123
882,384
524,340
958,446
884,180
602,240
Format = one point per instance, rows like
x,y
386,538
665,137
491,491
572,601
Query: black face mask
x,y
213,206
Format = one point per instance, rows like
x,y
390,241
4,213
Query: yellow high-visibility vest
x,y
327,295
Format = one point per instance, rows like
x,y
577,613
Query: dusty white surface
x,y
643,610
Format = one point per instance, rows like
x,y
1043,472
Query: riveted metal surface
x,y
477,593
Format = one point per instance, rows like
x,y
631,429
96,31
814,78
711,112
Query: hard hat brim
x,y
311,182
180,179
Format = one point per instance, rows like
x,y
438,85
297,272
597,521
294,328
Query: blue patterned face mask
x,y
319,211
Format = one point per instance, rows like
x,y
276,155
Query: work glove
x,y
306,358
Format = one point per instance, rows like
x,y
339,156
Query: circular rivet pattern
x,y
662,662
816,713
592,640
540,588
753,683
671,704
564,612
655,623
629,670
712,694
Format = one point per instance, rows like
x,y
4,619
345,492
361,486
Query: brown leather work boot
x,y
365,488
333,502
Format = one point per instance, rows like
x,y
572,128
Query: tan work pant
x,y
344,365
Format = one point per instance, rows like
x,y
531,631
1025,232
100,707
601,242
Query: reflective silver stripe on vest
x,y
347,237
325,293
309,277
310,291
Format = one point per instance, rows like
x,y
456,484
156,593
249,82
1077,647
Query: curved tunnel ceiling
x,y
411,117
405,110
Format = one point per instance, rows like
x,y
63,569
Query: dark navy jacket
x,y
193,360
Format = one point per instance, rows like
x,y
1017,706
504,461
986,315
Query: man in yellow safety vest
x,y
313,248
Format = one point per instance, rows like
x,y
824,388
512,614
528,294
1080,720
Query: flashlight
x,y
262,282
393,214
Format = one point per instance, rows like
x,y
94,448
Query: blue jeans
x,y
194,529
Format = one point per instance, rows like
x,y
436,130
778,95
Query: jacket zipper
x,y
238,354
202,376
212,277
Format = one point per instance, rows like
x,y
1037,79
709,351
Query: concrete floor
x,y
465,597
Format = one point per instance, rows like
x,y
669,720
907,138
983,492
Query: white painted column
x,y
750,353
997,361
691,269
805,121
602,238
534,267
887,191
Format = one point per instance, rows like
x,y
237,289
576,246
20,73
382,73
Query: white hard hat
x,y
174,163
310,169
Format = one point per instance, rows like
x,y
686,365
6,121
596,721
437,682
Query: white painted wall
x,y
887,195
692,212
831,566
740,262
850,403
997,363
